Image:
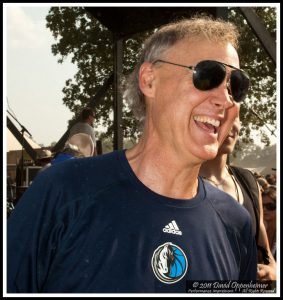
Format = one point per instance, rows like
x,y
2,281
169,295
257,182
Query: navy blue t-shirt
x,y
90,226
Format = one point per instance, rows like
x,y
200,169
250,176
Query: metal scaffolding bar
x,y
118,101
21,139
260,31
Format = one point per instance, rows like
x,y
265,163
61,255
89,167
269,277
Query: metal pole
x,y
118,102
260,31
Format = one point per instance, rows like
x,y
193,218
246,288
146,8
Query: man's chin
x,y
226,149
209,153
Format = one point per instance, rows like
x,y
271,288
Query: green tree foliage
x,y
90,45
79,35
259,108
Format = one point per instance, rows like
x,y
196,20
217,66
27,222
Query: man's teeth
x,y
205,119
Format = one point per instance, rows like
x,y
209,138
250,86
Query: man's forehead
x,y
196,49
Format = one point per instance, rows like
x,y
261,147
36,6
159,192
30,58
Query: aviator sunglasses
x,y
209,74
269,206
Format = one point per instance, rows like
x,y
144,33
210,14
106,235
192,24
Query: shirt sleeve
x,y
83,128
34,231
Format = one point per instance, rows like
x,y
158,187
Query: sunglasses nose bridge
x,y
224,87
228,88
224,97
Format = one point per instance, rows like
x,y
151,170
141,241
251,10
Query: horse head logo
x,y
169,263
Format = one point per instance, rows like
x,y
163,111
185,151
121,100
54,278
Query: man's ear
x,y
146,79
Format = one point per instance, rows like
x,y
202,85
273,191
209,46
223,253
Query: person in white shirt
x,y
85,125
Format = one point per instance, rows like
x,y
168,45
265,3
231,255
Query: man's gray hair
x,y
155,46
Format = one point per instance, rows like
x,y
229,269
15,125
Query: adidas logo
x,y
172,227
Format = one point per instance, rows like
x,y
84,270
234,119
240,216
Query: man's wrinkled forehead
x,y
195,49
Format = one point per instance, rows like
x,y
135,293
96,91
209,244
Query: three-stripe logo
x,y
173,228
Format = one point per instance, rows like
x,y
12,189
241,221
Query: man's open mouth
x,y
207,123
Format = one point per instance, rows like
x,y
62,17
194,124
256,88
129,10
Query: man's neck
x,y
162,171
214,168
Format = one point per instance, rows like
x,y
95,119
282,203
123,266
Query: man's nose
x,y
222,96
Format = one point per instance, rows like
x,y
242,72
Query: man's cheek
x,y
230,115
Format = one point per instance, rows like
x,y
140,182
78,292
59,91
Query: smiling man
x,y
141,220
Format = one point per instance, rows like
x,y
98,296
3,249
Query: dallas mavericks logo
x,y
169,263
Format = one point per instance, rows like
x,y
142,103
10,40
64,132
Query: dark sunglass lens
x,y
208,74
270,206
240,83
